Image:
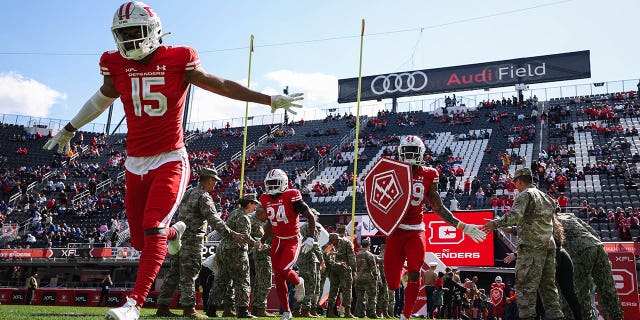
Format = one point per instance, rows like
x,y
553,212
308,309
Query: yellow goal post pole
x,y
355,147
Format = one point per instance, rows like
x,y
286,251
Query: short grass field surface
x,y
22,312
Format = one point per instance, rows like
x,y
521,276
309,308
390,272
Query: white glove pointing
x,y
307,245
62,139
474,232
286,102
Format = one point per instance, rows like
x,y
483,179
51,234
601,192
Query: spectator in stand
x,y
563,200
480,198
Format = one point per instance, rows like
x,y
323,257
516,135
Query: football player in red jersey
x,y
284,207
152,81
407,242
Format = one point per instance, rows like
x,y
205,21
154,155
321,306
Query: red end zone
x,y
455,248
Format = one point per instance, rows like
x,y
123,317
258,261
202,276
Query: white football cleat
x,y
299,288
286,316
128,311
173,246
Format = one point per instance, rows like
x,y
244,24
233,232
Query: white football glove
x,y
62,139
307,245
474,232
286,102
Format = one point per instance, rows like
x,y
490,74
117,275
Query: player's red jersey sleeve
x,y
421,182
284,220
153,96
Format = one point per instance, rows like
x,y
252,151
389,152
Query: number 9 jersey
x,y
153,96
283,211
421,182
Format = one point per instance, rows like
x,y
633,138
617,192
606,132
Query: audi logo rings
x,y
402,82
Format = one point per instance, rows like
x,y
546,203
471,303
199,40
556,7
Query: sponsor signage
x,y
49,298
18,296
623,267
151,301
114,299
555,67
69,253
81,299
455,248
25,253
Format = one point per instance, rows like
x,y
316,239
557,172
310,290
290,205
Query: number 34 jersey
x,y
420,184
153,96
280,211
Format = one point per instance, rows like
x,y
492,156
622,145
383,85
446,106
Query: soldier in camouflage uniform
x,y
262,266
233,259
319,286
308,269
591,266
533,212
386,299
366,281
196,210
341,276
329,262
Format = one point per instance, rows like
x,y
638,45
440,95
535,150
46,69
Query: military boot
x,y
262,312
163,311
331,313
305,313
212,311
347,313
314,312
190,312
296,313
373,315
228,311
244,313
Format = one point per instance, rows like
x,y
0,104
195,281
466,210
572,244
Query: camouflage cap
x,y
333,236
250,197
522,172
210,172
365,242
341,228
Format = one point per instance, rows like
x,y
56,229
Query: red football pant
x,y
401,246
150,202
152,199
284,253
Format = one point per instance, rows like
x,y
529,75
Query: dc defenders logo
x,y
387,193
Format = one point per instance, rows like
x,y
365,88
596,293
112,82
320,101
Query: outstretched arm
x,y
436,204
223,87
234,90
91,109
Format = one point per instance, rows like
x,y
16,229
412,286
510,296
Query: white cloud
x,y
321,91
23,96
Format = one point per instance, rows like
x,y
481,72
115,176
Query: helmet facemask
x,y
276,182
411,154
136,30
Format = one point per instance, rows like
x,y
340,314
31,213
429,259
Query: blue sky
x,y
49,57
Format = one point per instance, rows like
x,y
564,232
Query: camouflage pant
x,y
309,273
536,273
262,281
386,299
183,271
319,287
591,266
366,294
233,265
340,278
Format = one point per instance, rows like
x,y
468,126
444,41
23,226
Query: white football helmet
x,y
136,14
498,279
411,150
276,182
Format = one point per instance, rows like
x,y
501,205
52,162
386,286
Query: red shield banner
x,y
497,293
387,193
